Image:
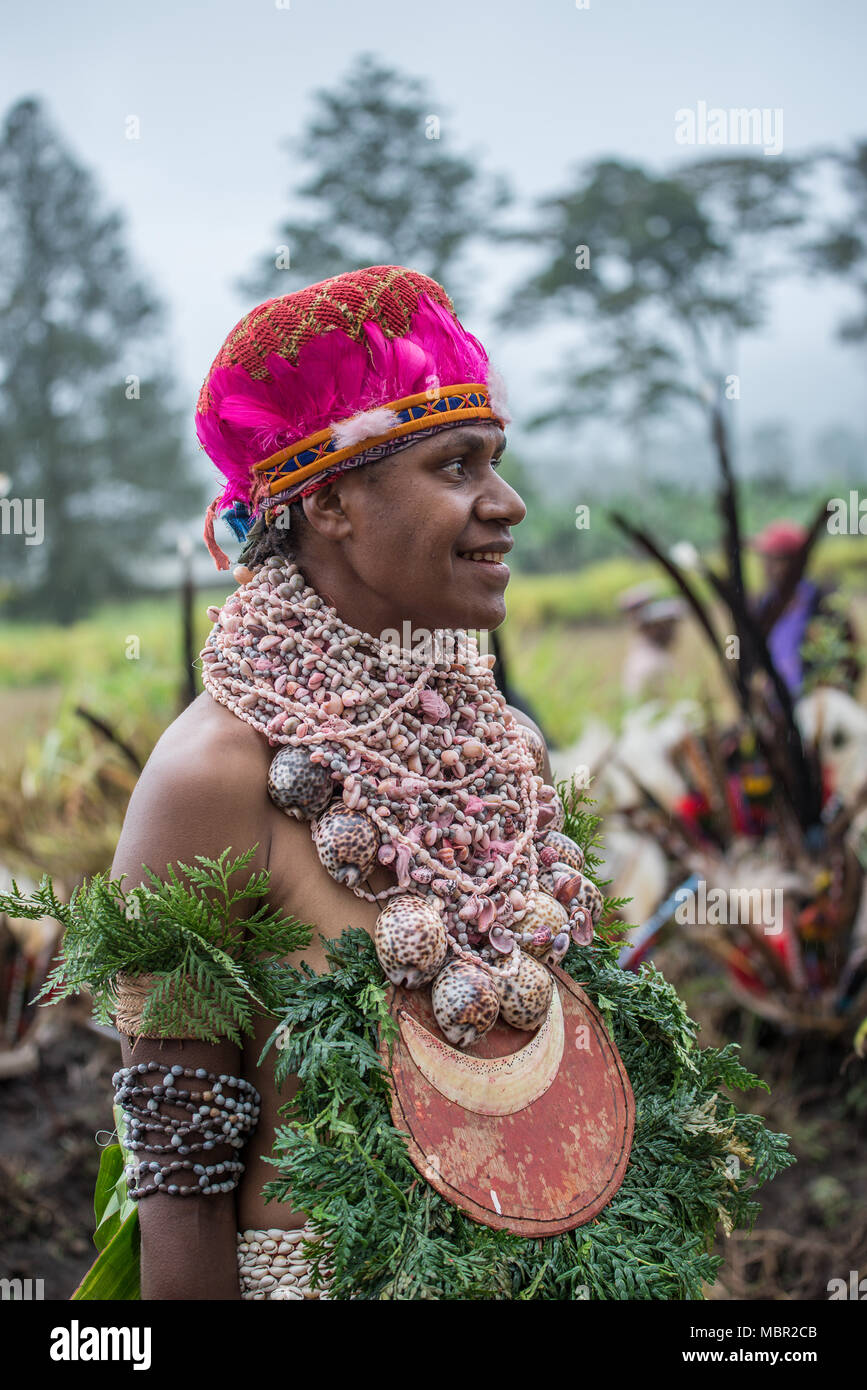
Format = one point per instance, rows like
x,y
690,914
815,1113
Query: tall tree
x,y
672,268
88,425
384,186
659,274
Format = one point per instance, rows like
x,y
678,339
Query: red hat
x,y
780,538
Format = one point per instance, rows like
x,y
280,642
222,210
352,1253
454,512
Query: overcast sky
x,y
535,87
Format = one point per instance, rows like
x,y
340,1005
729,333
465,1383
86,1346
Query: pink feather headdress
x,y
306,382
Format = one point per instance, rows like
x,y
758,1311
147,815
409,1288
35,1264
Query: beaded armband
x,y
213,1117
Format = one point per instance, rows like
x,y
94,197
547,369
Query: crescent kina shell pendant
x,y
489,1086
540,1167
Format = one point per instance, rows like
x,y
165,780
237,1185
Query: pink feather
x,y
336,380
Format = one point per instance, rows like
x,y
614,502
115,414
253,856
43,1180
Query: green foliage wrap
x,y
212,970
696,1159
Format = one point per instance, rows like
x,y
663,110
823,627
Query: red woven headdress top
x,y
386,294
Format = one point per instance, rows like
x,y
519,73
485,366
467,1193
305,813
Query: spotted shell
x,y
347,843
524,998
411,941
299,787
544,919
589,897
465,1001
551,815
567,852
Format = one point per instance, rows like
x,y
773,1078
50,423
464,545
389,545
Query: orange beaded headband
x,y
330,446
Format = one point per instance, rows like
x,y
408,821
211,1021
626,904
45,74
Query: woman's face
x,y
420,537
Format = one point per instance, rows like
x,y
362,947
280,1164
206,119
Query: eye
x,y
459,464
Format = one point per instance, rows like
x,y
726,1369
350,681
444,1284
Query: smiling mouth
x,y
483,557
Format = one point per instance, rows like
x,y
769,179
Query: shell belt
x,y
412,760
272,1265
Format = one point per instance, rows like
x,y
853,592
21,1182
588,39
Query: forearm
x,y
188,1248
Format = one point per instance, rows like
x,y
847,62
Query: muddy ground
x,y
49,1159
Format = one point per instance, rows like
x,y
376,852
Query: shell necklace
x,y
410,759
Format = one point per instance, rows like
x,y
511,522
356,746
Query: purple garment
x,y
787,636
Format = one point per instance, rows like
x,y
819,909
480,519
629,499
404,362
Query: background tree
x,y
840,249
384,187
772,457
87,421
660,273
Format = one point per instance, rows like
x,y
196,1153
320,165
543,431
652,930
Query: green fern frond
x,y
211,971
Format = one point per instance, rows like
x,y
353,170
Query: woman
x,y
362,414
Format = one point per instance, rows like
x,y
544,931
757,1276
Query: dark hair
x,y
264,541
286,541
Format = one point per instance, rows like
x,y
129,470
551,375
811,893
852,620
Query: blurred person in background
x,y
813,641
649,664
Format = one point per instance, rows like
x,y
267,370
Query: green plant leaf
x,y
213,971
112,1203
115,1273
110,1169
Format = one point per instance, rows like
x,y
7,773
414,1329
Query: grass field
x,y
563,638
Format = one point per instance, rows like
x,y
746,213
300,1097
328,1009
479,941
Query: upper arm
x,y
191,800
199,802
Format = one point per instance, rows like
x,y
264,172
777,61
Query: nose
x,y
499,501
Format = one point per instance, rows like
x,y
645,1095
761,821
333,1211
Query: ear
x,y
324,511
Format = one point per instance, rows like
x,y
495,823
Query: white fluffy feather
x,y
366,425
497,394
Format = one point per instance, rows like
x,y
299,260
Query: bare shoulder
x,y
521,718
203,789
